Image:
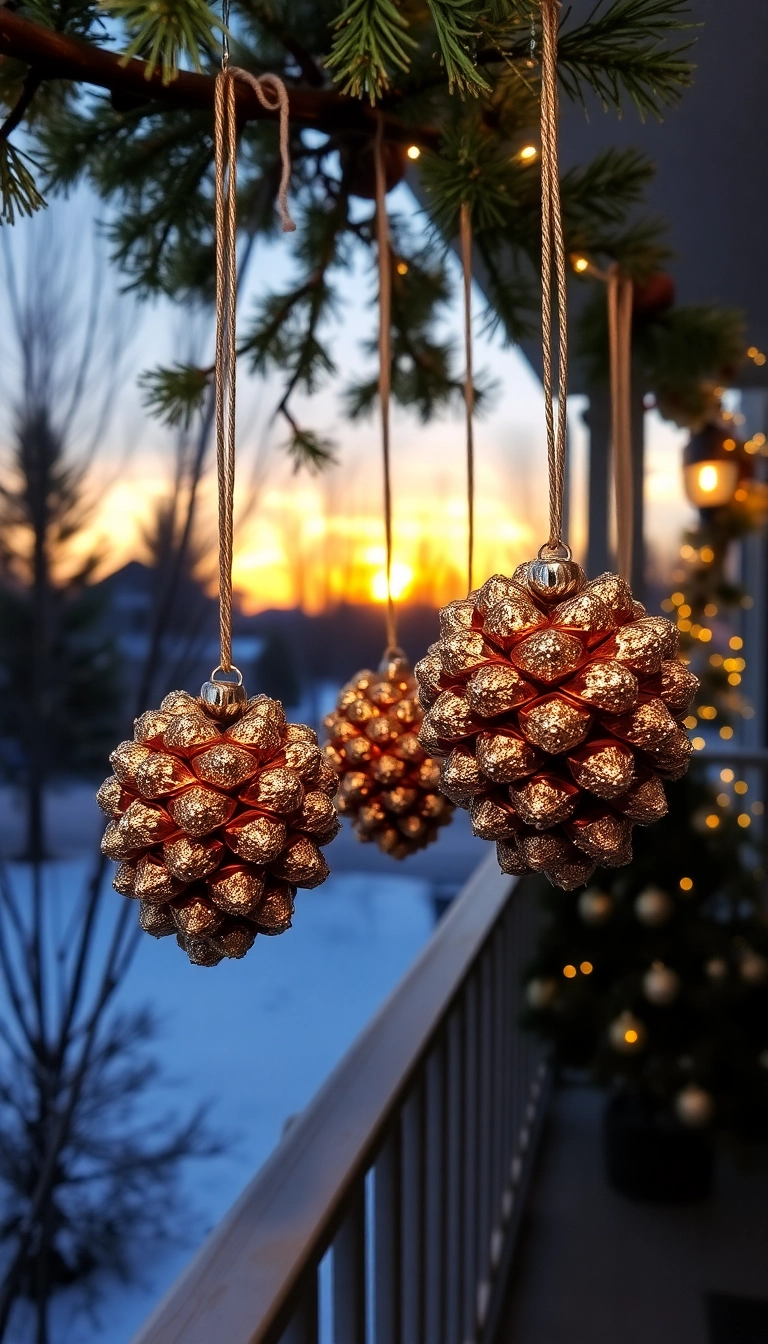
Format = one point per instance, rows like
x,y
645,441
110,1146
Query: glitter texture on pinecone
x,y
216,823
390,786
556,704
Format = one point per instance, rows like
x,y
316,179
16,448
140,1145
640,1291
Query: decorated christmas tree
x,y
655,977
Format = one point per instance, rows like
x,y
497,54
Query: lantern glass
x,y
710,484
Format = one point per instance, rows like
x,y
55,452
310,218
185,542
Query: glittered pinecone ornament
x,y
390,785
218,810
556,705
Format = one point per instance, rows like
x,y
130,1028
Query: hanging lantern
x,y
711,467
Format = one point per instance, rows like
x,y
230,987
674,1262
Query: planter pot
x,y
649,1156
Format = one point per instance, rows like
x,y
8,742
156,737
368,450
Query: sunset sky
x,y
311,540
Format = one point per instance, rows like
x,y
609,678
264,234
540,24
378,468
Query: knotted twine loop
x,y
552,248
273,96
620,294
465,231
385,362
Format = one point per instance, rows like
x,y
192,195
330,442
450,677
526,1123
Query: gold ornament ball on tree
x,y
694,1107
716,968
661,985
218,809
627,1034
389,784
594,906
753,968
541,992
653,907
556,705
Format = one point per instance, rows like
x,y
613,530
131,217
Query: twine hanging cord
x,y
552,258
465,233
385,365
273,96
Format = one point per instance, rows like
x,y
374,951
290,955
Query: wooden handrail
x,y
238,1287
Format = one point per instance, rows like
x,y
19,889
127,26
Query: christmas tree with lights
x,y
655,978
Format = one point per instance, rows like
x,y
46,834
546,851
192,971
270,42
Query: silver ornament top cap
x,y
554,575
223,699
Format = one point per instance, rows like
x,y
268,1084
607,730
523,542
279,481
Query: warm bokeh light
x,y
528,153
400,581
580,264
586,968
630,1036
413,152
569,972
686,884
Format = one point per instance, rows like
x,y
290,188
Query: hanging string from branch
x,y
385,363
465,230
620,294
552,257
273,95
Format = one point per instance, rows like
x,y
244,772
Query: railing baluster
x,y
485,1132
303,1326
412,1206
454,1178
471,1160
349,1314
387,1241
497,1083
434,1202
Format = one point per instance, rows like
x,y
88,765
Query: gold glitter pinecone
x,y
557,723
216,824
389,783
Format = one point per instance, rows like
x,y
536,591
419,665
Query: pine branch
x,y
370,42
456,31
622,50
163,33
306,448
176,395
18,192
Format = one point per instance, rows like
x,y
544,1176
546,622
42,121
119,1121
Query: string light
x,y
402,268
413,152
528,154
744,819
726,732
686,884
569,972
726,776
713,820
580,264
741,786
586,968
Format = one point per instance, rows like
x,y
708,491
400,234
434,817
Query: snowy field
x,y
257,1037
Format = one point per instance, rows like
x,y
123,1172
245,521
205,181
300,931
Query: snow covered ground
x,y
258,1037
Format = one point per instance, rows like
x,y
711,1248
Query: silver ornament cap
x,y
223,699
554,574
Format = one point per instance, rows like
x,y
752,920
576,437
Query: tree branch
x,y
28,90
54,55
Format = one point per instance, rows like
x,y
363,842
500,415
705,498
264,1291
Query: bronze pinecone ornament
x,y
217,816
556,705
390,786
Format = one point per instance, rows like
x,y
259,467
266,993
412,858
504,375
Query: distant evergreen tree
x,y
59,701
